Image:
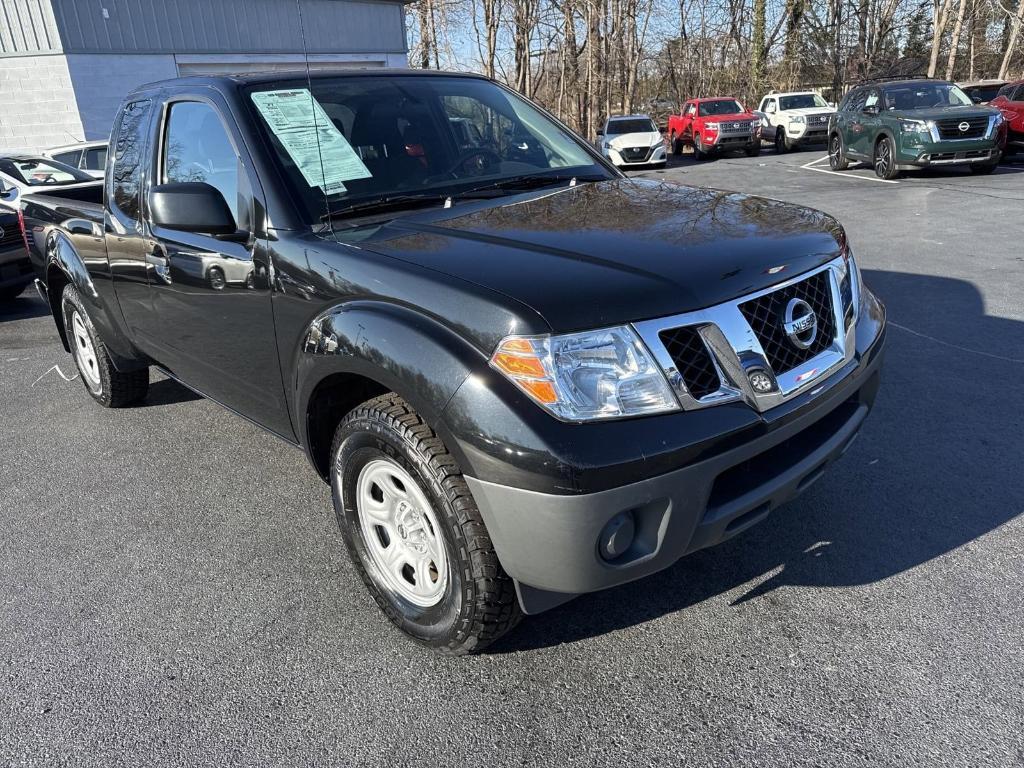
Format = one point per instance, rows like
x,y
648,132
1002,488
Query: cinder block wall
x,y
102,80
37,103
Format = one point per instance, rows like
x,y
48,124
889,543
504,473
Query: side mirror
x,y
192,206
600,131
976,99
871,110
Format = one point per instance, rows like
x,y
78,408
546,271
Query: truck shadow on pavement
x,y
27,306
936,467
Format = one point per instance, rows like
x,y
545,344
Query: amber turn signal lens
x,y
541,390
515,365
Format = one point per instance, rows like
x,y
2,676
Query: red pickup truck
x,y
1010,101
714,125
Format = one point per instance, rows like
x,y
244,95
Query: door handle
x,y
157,258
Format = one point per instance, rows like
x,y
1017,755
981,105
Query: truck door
x,y
212,320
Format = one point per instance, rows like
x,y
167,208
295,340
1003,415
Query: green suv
x,y
898,125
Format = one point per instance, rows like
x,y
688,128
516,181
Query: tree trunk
x,y
759,54
424,12
954,42
1004,68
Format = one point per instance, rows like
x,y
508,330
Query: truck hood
x,y
729,118
641,139
605,253
944,113
808,111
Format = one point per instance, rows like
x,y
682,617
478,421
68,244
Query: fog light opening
x,y
617,536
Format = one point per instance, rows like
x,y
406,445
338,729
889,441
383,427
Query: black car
x,y
524,375
15,268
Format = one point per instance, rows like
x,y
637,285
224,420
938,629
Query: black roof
x,y
256,78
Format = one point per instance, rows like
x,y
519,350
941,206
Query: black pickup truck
x,y
524,375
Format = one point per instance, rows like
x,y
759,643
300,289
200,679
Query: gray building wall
x,y
65,65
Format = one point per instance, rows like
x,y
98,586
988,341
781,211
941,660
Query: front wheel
x,y
836,155
781,142
885,159
753,151
677,145
414,532
698,148
108,386
983,169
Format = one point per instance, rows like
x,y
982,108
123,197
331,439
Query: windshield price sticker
x,y
318,148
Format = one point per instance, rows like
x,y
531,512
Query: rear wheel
x,y
108,386
216,278
415,533
836,154
885,159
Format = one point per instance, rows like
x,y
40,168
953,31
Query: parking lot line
x,y
810,167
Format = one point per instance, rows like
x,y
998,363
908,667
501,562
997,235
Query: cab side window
x,y
126,175
69,158
95,159
769,106
871,100
197,149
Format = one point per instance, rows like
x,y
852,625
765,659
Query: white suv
x,y
794,119
632,140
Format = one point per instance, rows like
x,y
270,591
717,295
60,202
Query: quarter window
x,y
197,149
126,177
69,158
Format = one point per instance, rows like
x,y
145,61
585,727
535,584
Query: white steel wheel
x,y
401,533
85,352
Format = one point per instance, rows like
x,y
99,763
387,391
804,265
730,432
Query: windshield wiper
x,y
518,183
390,203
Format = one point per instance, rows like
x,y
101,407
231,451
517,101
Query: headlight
x,y
999,120
799,119
854,281
711,126
914,126
586,376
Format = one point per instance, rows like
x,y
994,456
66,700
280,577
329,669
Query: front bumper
x,y
549,543
811,133
654,156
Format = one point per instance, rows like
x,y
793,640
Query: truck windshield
x,y
802,101
37,172
633,125
925,96
719,107
359,138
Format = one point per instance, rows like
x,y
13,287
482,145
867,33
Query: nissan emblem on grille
x,y
964,127
800,323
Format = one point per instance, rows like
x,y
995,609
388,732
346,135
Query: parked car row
x,y
894,125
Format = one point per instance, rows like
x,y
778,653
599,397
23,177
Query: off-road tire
x,y
677,145
114,388
837,153
753,151
480,603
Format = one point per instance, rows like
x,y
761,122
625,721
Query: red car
x,y
1010,101
714,125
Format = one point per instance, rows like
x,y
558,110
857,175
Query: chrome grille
x,y
692,359
765,317
949,130
728,343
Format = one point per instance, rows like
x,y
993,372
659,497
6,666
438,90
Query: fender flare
x,y
61,255
404,351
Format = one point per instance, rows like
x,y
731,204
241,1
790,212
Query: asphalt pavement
x,y
173,589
